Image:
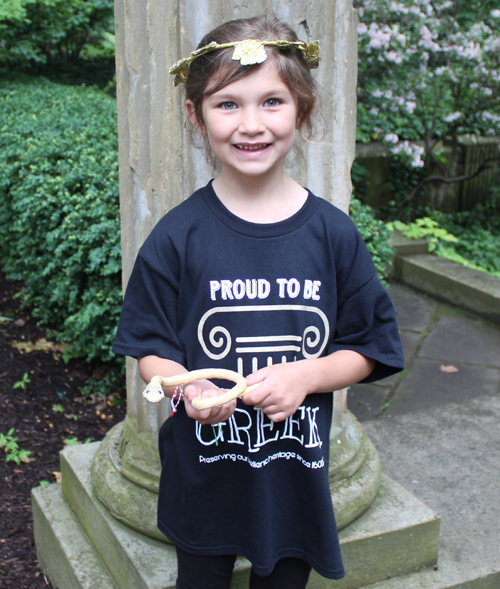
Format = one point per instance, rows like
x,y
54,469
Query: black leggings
x,y
215,572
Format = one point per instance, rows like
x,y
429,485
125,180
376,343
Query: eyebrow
x,y
230,96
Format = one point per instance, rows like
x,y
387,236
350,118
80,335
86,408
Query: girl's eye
x,y
272,102
228,105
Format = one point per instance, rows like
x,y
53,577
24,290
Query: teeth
x,y
252,147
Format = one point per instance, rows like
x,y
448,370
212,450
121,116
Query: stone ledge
x,y
469,289
408,247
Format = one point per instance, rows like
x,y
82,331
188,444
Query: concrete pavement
x,y
437,429
451,356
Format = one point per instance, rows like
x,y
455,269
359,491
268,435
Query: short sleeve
x,y
148,321
366,320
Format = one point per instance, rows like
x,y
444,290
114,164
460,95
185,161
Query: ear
x,y
191,113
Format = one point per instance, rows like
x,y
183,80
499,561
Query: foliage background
x,y
59,208
46,31
428,72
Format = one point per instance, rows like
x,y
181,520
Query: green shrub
x,y
44,31
376,235
477,233
470,238
59,208
375,232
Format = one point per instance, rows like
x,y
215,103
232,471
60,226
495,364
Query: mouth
x,y
258,147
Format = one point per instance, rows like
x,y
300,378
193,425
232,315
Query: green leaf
x,y
71,441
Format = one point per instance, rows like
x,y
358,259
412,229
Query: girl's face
x,y
250,123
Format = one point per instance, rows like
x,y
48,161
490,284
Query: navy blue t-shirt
x,y
210,290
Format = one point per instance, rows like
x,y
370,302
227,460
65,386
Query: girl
x,y
254,273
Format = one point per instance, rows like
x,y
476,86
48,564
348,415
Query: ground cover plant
x,y
478,235
470,238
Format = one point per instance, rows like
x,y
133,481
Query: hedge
x,y
59,208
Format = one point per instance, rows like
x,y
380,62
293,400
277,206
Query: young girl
x,y
255,274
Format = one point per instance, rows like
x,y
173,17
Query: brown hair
x,y
213,71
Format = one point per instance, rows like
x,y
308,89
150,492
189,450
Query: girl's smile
x,y
252,147
250,123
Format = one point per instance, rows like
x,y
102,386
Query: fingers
x,y
276,392
257,376
217,414
278,416
207,416
257,396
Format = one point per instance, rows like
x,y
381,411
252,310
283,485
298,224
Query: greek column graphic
x,y
306,339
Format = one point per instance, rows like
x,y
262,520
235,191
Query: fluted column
x,y
159,167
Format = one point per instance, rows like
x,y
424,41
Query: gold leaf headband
x,y
247,52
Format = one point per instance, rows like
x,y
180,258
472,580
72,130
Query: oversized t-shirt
x,y
210,290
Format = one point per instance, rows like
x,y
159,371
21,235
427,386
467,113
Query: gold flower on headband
x,y
247,52
250,52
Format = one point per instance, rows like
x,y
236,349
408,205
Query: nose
x,y
251,122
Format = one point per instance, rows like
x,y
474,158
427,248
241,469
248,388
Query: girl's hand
x,y
284,387
282,390
205,388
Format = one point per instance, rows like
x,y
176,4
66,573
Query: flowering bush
x,y
429,71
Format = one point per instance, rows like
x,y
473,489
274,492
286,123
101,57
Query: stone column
x,y
159,168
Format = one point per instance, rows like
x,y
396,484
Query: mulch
x,y
47,411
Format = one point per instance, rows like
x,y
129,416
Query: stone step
x,y
469,289
65,553
397,535
408,247
135,560
431,579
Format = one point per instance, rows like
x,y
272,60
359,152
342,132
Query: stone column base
x,y
82,546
